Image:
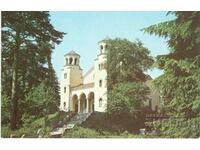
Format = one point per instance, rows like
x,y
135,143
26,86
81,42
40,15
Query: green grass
x,y
80,132
31,129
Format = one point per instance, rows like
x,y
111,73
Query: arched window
x,y
100,83
70,61
101,49
106,46
66,61
64,89
99,67
75,61
100,102
102,67
64,105
65,75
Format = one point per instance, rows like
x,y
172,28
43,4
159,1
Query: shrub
x,y
27,119
27,132
178,128
79,132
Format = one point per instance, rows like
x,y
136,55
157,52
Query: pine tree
x,y
180,83
22,35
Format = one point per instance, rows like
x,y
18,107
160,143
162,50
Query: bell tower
x,y
100,80
71,77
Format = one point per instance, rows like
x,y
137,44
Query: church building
x,y
87,93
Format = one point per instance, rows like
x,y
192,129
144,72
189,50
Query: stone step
x,y
57,131
77,119
69,126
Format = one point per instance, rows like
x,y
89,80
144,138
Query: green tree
x,y
39,98
180,84
127,97
126,63
52,78
23,34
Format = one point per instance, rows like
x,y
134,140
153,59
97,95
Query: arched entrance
x,y
75,103
83,103
91,102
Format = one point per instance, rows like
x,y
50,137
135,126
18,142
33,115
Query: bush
x,y
27,132
79,132
178,128
27,119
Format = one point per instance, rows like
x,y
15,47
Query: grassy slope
x,y
32,129
98,125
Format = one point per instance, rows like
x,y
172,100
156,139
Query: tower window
x,y
100,102
99,67
101,49
106,46
65,75
70,61
64,89
64,105
102,67
100,83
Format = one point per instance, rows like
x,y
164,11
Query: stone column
x,y
73,60
88,106
79,105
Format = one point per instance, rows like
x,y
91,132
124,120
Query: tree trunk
x,y
14,98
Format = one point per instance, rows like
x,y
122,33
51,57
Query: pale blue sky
x,y
85,29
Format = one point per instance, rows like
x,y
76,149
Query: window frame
x,y
65,89
65,75
100,102
100,83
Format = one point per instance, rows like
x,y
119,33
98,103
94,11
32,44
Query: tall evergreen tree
x,y
23,33
180,83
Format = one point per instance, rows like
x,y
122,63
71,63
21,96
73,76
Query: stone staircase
x,y
76,120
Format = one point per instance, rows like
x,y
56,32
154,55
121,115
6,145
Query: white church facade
x,y
87,93
84,93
